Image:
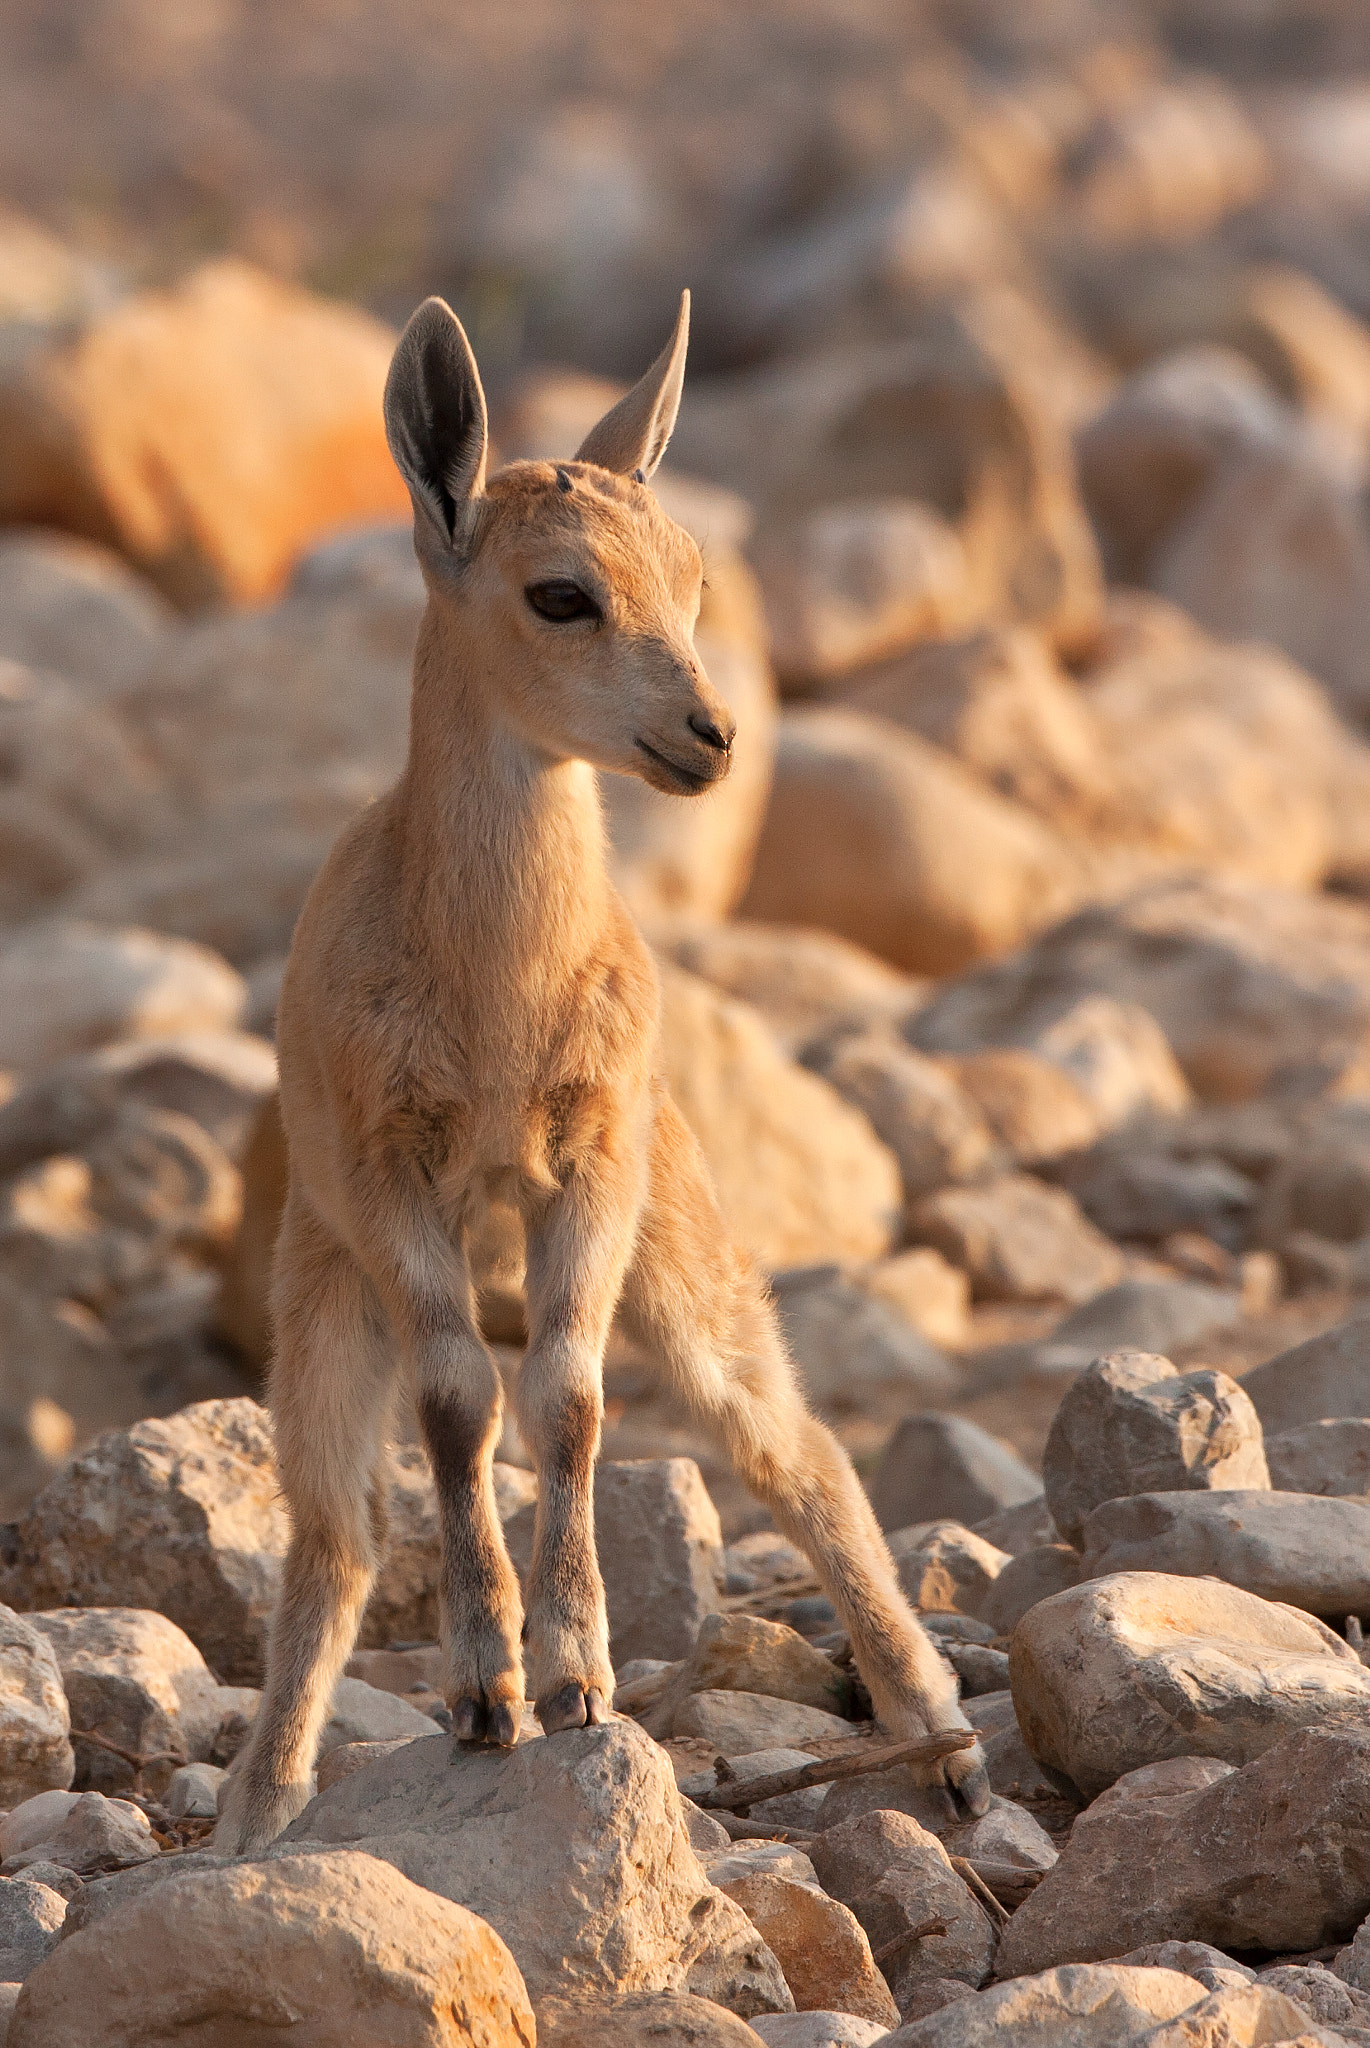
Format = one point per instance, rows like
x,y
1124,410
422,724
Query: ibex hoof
x,y
491,1721
573,1706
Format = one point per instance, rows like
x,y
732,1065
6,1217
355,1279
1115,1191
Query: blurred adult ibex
x,y
469,1013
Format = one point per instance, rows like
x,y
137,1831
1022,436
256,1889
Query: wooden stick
x,y
973,1882
740,1830
740,1794
928,1929
137,1763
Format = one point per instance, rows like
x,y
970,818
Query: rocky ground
x,y
1016,983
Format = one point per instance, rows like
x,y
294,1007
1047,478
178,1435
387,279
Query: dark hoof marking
x,y
468,1720
565,1708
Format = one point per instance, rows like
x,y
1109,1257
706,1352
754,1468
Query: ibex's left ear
x,y
435,421
631,438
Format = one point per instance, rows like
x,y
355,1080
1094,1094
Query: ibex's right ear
x,y
435,419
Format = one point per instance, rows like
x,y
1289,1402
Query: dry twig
x,y
739,1795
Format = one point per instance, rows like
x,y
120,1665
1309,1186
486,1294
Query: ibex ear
x,y
632,435
435,419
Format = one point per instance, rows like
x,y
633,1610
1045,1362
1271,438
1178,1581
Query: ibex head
x,y
581,594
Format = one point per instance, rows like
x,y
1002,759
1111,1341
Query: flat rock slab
x,y
1122,1671
1327,1376
1274,1856
1306,1550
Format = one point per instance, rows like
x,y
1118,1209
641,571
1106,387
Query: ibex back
x,y
469,1012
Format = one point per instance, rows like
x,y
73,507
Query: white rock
x,y
34,1820
30,1917
574,1850
1125,1670
363,1713
818,2030
941,1467
66,986
35,1721
135,1678
1079,2006
194,1791
98,1834
1311,1552
739,1723
1133,1424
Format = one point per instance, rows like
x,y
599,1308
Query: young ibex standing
x,y
469,1012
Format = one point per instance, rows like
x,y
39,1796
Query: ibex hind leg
x,y
698,1306
330,1399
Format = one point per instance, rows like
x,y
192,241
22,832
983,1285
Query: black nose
x,y
712,735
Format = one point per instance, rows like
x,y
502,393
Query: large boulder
x,y
35,1720
1325,1377
182,1516
68,606
210,432
1081,2006
660,1551
1308,1551
1132,1424
819,1943
1018,1240
800,1175
137,1684
574,1850
678,2019
1178,947
1322,1457
338,1948
1121,1671
871,832
943,1468
853,1348
1273,1856
66,987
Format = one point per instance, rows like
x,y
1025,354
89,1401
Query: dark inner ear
x,y
447,431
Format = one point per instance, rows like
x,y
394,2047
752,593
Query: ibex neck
x,y
503,847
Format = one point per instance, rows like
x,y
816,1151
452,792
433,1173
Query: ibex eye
x,y
560,600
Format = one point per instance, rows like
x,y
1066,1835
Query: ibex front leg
x,y
577,1250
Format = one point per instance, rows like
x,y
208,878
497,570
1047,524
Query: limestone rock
x,y
1322,1457
660,1547
999,702
853,1349
76,608
896,1878
802,982
870,834
574,1850
818,2030
363,1713
1133,1424
33,1820
181,1516
743,1653
1121,1671
339,1944
941,1467
1131,1192
850,583
193,1791
945,1567
1175,947
67,986
1033,1575
1138,1315
931,1295
1317,1381
114,434
800,1175
819,1944
933,1127
96,1835
677,2019
1272,1856
1320,1993
1019,1240
35,1721
136,1679
1299,1548
737,1723
1034,1108
31,1916
1197,1959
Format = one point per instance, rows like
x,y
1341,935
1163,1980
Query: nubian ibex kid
x,y
469,1012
